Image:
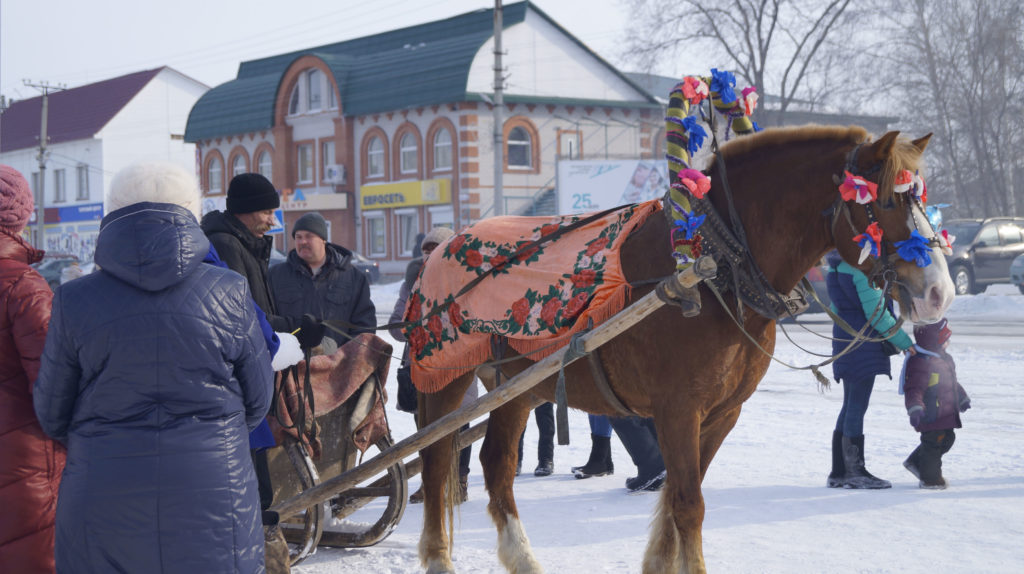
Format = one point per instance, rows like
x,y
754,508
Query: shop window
x,y
408,228
326,157
377,236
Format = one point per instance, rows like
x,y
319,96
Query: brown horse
x,y
693,375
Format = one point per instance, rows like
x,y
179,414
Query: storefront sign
x,y
406,193
304,201
72,213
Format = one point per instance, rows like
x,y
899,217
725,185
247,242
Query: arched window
x,y
314,92
238,165
375,158
408,153
442,149
265,165
520,148
215,175
293,103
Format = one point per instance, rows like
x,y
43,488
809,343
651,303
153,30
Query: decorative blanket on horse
x,y
535,295
334,379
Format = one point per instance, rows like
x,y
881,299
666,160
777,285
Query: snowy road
x,y
767,507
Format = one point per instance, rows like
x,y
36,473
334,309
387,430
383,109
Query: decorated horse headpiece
x,y
907,186
685,136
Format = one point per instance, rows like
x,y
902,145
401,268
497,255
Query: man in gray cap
x,y
319,279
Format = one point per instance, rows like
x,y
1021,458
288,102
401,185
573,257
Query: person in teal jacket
x,y
856,301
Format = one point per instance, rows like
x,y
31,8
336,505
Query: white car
x,y
1017,272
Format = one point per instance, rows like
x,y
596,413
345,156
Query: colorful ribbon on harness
x,y
684,137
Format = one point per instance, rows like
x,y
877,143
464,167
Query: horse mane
x,y
905,154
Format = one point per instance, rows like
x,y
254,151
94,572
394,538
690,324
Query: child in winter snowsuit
x,y
934,401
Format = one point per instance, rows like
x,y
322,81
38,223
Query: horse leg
x,y
439,489
498,457
712,435
675,544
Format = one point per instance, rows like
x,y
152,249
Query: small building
x,y
391,134
92,132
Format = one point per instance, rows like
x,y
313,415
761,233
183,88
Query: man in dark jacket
x,y
319,279
239,236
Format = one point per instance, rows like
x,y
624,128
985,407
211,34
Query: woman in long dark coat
x,y
154,371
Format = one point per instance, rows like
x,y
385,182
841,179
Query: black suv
x,y
983,251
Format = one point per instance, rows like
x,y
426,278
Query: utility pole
x,y
499,139
39,232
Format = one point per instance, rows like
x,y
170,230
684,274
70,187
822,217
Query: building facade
x,y
93,131
391,134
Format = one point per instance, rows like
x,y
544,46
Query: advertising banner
x,y
594,185
405,194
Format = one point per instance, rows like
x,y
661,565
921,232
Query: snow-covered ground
x,y
767,507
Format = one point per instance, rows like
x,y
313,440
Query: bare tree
x,y
955,68
776,45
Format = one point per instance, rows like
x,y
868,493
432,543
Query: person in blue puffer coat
x,y
153,374
856,301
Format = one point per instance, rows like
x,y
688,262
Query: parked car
x,y
359,261
51,266
1017,272
983,250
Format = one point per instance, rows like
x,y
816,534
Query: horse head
x,y
880,226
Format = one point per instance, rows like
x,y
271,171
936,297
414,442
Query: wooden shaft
x,y
511,389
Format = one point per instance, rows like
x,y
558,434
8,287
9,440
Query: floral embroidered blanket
x,y
537,297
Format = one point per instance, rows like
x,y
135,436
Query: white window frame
x,y
60,188
407,226
314,90
442,145
525,143
441,216
295,101
82,175
215,183
237,165
306,165
332,97
373,233
266,170
408,152
375,154
326,156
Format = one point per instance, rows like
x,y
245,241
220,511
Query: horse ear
x,y
922,142
883,147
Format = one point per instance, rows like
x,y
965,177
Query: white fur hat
x,y
159,182
436,236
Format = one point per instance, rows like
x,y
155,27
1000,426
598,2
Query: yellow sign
x,y
406,193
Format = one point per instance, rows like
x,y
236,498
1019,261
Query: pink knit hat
x,y
16,203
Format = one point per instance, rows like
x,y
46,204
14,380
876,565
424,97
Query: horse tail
x,y
452,494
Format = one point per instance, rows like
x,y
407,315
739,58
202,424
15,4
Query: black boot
x,y
641,441
835,478
600,461
856,475
933,445
911,464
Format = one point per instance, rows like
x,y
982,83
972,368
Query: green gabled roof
x,y
421,65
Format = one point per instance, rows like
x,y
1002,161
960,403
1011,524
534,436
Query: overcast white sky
x,y
77,42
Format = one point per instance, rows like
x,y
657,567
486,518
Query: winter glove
x,y
915,417
288,354
311,332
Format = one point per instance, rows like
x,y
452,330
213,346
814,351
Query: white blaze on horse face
x,y
931,303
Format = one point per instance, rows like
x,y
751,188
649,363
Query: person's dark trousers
x,y
641,441
465,455
262,468
928,455
856,395
545,415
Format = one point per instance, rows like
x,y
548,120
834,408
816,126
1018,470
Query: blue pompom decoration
x,y
915,249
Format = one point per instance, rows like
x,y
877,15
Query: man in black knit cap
x,y
239,235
